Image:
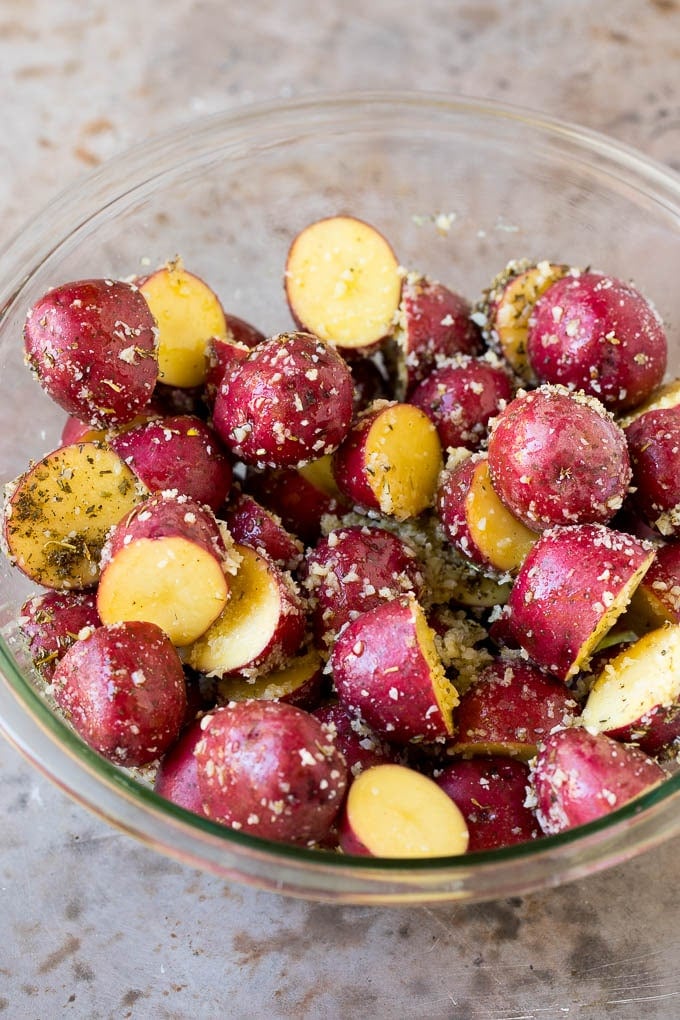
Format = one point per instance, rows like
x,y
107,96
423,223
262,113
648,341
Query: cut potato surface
x,y
188,314
342,282
502,539
393,811
57,515
298,683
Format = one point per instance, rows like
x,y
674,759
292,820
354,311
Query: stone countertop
x,y
93,924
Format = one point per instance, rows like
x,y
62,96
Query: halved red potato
x,y
343,283
253,525
123,689
176,777
179,452
188,314
52,621
461,397
597,334
509,709
300,496
270,769
57,515
507,306
92,346
259,628
657,598
387,670
654,447
475,520
390,460
288,403
298,682
579,776
491,794
666,395
636,697
556,457
360,746
224,353
572,587
433,323
352,570
166,562
394,811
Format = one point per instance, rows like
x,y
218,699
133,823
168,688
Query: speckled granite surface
x,y
94,925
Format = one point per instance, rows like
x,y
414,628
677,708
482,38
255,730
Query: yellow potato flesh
x,y
513,311
396,812
403,460
188,315
446,695
275,685
500,537
343,282
172,582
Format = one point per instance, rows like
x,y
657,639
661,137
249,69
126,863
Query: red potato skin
x,y
578,776
124,691
353,570
223,356
555,603
360,748
654,446
177,774
92,346
598,334
51,623
452,492
297,501
272,770
289,403
180,452
491,793
377,656
461,398
251,524
510,709
349,460
657,598
436,324
557,458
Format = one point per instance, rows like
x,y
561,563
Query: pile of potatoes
x,y
236,542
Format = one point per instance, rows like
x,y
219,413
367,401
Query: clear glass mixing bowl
x,y
459,187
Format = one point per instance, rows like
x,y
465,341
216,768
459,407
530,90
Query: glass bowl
x,y
459,187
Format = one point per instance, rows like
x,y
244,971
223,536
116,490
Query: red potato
x,y
224,353
251,524
360,746
179,452
636,697
507,306
433,323
261,626
177,774
664,396
289,403
387,670
570,590
475,520
558,458
166,562
299,682
353,570
579,776
57,515
272,770
92,346
654,446
188,314
301,497
52,621
393,811
656,599
509,709
491,794
123,689
390,460
343,283
461,398
595,333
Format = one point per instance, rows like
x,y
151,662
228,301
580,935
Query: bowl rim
x,y
128,804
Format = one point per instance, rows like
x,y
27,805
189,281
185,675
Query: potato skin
x,y
51,623
360,747
124,691
177,774
579,776
92,346
654,445
286,404
253,525
270,769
